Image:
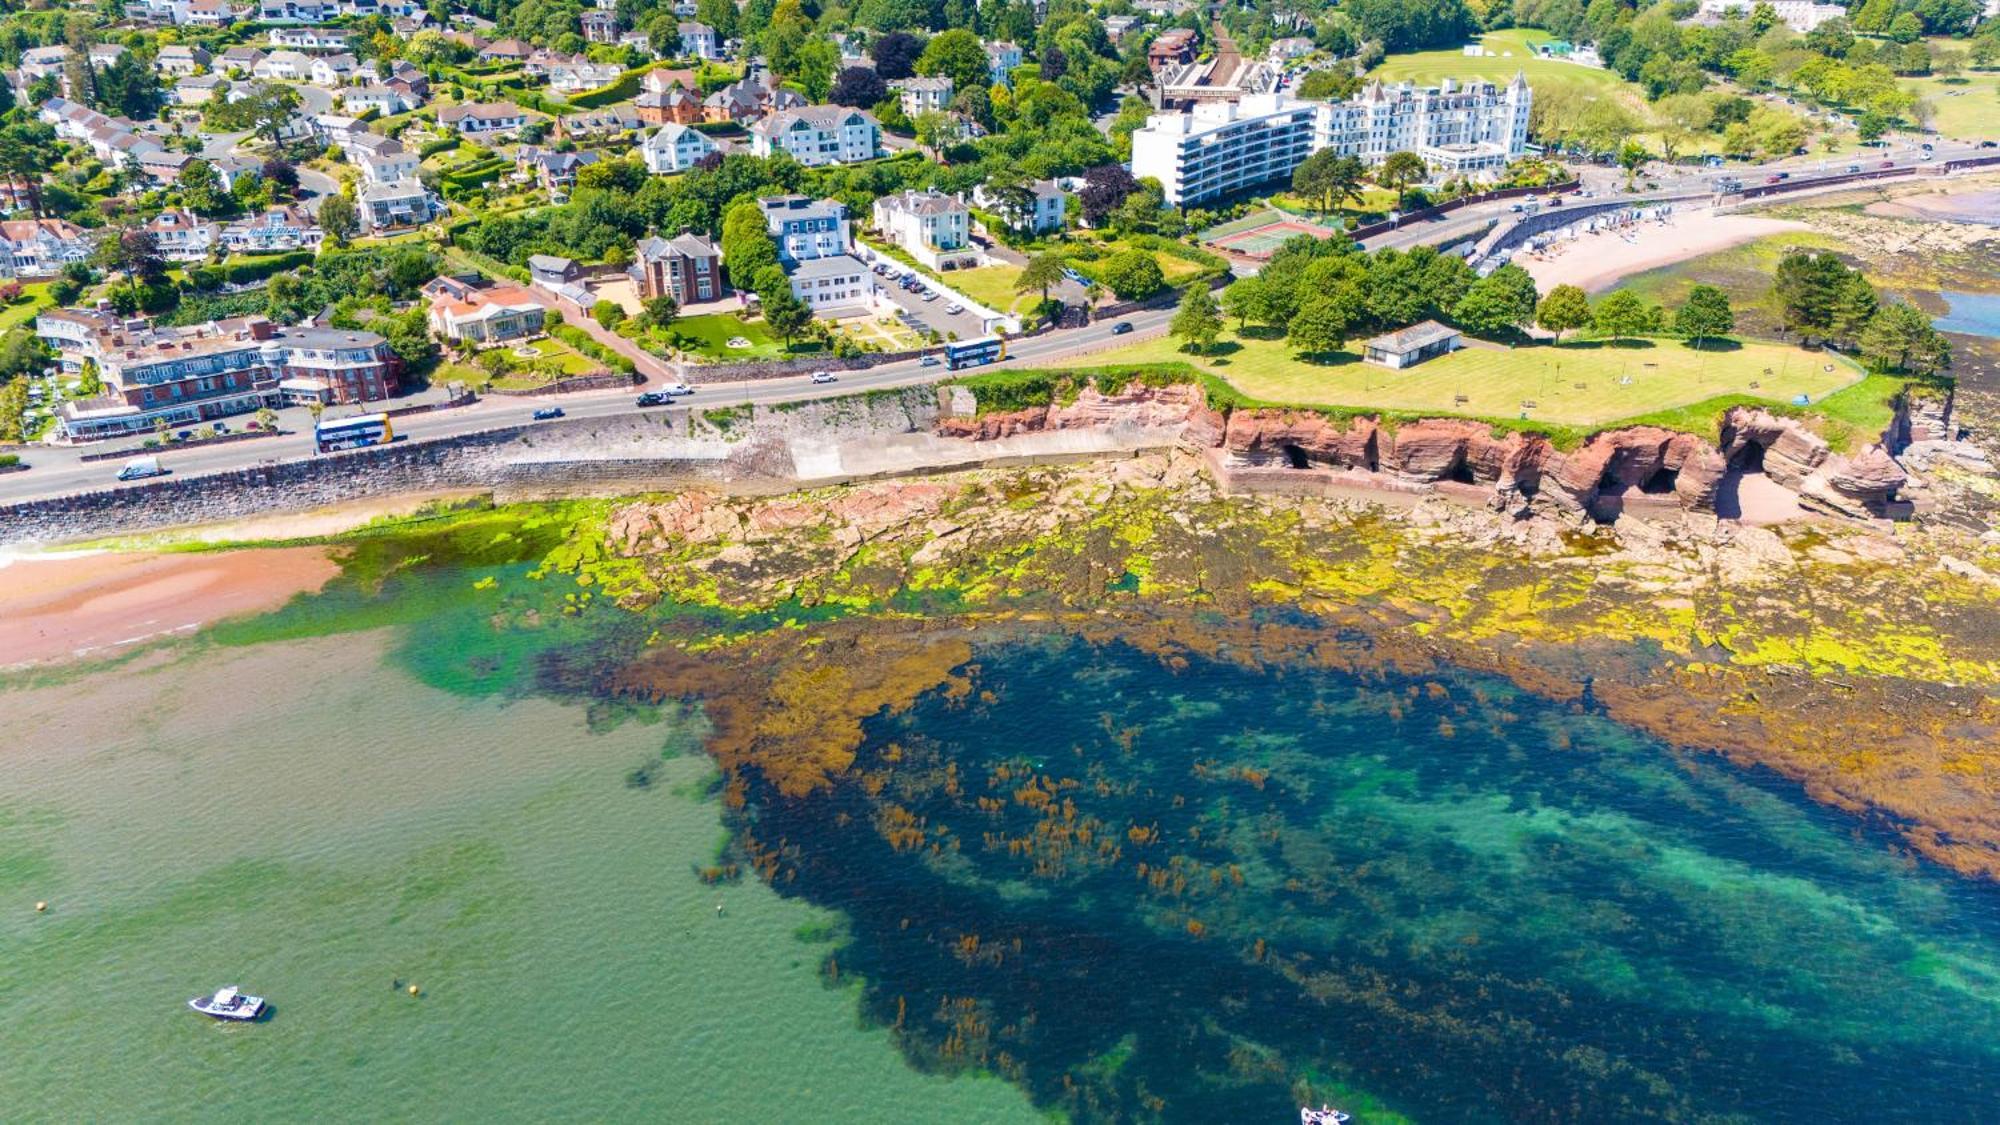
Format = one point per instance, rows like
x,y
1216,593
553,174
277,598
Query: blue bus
x,y
353,433
975,353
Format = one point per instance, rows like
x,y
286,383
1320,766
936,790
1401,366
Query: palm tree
x,y
1092,293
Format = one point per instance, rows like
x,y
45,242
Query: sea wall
x,y
737,449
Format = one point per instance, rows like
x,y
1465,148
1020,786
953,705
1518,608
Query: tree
x,y
896,54
1818,295
201,189
859,87
1324,321
1044,271
1871,125
608,313
1198,321
1105,188
1399,171
135,253
661,312
1329,177
1621,314
1900,338
1133,275
958,55
1906,28
1246,299
785,314
283,177
269,109
339,219
1632,157
267,418
1563,310
1705,315
1500,301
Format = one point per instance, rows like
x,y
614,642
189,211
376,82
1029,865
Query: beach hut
x,y
1410,346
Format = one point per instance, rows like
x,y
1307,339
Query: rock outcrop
x,y
1610,470
1134,406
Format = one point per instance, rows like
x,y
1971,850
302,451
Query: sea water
x,y
1102,884
1974,314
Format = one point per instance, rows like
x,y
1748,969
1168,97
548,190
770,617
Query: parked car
x,y
1121,328
822,377
139,468
954,308
929,295
548,413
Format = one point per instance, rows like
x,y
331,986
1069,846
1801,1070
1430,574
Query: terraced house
x,y
179,376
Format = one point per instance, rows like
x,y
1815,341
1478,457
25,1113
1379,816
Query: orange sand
x,y
57,607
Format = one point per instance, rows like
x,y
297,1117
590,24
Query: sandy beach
x,y
1598,261
62,606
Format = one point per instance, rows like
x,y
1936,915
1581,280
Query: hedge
x,y
9,460
259,268
432,148
580,340
626,86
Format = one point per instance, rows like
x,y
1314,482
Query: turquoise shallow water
x,y
1975,314
1098,885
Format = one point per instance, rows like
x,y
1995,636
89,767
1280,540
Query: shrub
x,y
626,86
264,265
9,460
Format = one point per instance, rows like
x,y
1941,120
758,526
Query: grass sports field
x,y
1512,52
1580,384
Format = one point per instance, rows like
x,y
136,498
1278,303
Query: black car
x,y
654,398
547,413
1120,328
1989,144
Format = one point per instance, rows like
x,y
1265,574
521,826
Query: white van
x,y
139,468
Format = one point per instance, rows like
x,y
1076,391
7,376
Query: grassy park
x,y
1967,107
993,286
1583,384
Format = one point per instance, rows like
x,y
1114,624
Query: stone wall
x,y
760,451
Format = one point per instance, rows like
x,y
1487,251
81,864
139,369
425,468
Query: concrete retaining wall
x,y
828,441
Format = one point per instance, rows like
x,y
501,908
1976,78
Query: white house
x,y
674,148
580,75
1046,213
401,203
311,39
183,237
934,228
283,66
387,167
698,41
924,95
277,229
819,134
805,228
483,119
1001,59
32,248
382,99
833,284
333,71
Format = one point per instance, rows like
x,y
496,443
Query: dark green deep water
x,y
1487,907
1437,899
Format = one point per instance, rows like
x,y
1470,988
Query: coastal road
x,y
1677,183
59,470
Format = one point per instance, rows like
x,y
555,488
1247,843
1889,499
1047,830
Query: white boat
x,y
229,1003
1321,1116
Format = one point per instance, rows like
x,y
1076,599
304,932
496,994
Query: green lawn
x,y
1578,384
34,298
565,357
708,337
1513,54
993,286
1968,107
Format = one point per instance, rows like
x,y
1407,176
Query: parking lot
x,y
919,315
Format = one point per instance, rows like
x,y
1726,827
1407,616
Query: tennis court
x,y
1258,235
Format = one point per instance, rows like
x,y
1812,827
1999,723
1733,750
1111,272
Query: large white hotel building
x,y
1224,147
